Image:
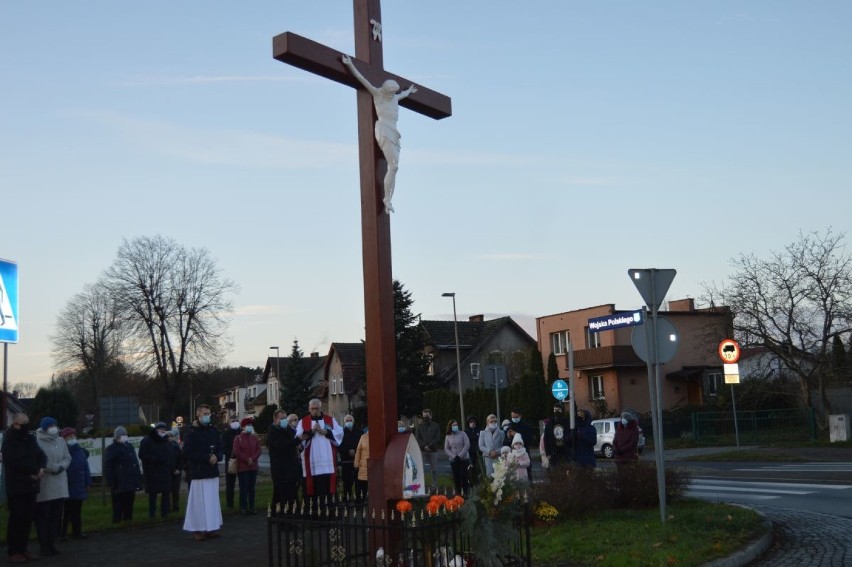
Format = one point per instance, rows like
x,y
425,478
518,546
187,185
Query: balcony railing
x,y
618,355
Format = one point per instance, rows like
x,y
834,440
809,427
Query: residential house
x,y
608,371
13,406
231,403
344,379
497,348
314,366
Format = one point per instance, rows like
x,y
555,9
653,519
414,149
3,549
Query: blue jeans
x,y
247,480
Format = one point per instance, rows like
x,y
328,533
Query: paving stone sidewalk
x,y
807,539
243,542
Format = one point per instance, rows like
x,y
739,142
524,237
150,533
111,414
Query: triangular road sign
x,y
653,284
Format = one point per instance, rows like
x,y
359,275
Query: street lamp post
x,y
458,355
277,374
497,380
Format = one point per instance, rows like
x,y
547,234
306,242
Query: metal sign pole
x,y
736,427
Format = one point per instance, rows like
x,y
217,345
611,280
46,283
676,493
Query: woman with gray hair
x,y
490,442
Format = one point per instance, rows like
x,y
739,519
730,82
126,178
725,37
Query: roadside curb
x,y
751,551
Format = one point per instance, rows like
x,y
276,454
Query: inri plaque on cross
x,y
375,220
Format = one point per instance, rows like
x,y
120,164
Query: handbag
x,y
233,464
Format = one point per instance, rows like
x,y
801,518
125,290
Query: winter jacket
x,y
22,458
586,437
491,441
158,463
228,437
246,446
203,441
522,460
284,462
79,475
557,440
625,445
428,435
349,443
121,468
457,445
362,455
54,483
526,433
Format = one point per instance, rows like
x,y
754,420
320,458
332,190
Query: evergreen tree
x,y
412,364
57,402
540,386
552,368
297,388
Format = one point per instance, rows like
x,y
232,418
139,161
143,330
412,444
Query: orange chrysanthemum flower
x,y
403,506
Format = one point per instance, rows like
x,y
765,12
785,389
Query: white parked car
x,y
606,434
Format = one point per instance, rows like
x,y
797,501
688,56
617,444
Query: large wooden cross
x,y
375,221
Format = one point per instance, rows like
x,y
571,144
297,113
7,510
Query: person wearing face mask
x,y
521,459
346,454
246,450
625,445
23,467
457,448
428,436
158,465
54,486
472,431
517,425
228,437
79,481
490,441
122,475
203,451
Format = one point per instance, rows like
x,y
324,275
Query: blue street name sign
x,y
560,390
8,302
616,320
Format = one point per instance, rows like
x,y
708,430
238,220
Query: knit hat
x,y
517,439
67,432
119,431
627,415
161,425
506,423
247,421
504,450
47,422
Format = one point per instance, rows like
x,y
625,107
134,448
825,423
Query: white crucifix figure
x,y
386,100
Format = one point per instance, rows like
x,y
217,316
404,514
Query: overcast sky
x,y
587,138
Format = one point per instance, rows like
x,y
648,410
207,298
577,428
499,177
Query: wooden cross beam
x,y
375,221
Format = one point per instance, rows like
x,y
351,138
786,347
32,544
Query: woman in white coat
x,y
54,485
490,442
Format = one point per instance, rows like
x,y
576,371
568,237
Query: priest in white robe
x,y
320,435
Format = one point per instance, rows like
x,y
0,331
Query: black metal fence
x,y
754,427
345,533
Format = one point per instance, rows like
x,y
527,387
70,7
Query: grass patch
x,y
694,533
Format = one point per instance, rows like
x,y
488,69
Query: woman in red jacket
x,y
246,451
625,446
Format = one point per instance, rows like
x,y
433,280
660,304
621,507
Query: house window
x,y
333,385
714,382
593,339
559,342
596,387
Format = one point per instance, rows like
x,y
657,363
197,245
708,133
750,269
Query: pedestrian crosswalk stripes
x,y
724,489
802,467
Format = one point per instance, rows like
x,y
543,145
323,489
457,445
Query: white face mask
x,y
161,433
492,427
624,422
249,429
122,439
52,430
71,441
235,425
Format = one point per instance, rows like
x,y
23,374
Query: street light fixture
x,y
458,354
277,374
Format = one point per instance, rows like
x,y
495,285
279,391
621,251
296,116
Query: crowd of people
x,y
311,458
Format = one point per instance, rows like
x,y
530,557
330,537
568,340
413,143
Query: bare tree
x,y
793,304
89,336
25,389
175,302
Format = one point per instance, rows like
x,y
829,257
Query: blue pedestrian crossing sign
x,y
560,390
